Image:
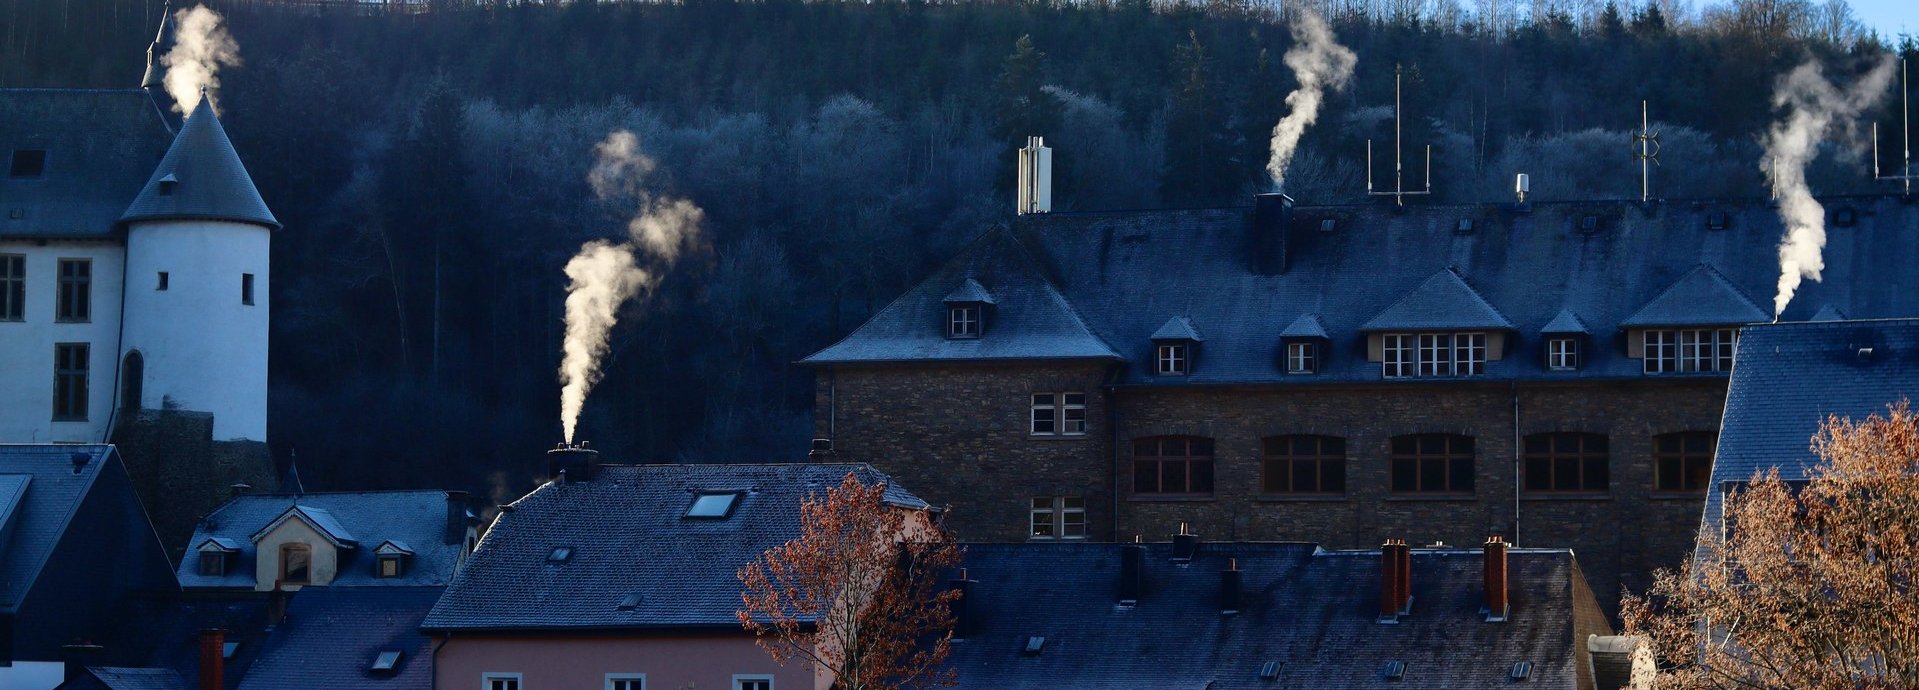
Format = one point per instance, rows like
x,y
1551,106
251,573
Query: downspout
x,y
1112,414
119,341
1518,461
832,403
435,673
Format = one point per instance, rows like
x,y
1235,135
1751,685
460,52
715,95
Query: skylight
x,y
1034,644
1269,671
560,554
27,163
1395,670
713,505
227,649
632,601
1522,670
386,661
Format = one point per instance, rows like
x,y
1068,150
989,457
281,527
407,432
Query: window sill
x,y
73,321
1414,498
1677,495
69,420
1568,496
1301,498
1170,498
1053,540
1058,437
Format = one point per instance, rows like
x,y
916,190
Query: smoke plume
x,y
604,274
1320,63
1814,108
201,46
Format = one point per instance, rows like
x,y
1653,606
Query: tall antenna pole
x,y
1905,174
1648,153
1399,192
1397,184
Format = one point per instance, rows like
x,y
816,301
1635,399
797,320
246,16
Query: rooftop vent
x,y
1589,224
1269,671
1845,217
713,505
80,461
1395,670
1522,670
630,602
386,661
560,554
1185,545
1328,225
1718,220
1865,354
1465,227
1034,643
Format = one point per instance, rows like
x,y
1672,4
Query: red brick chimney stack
x,y
1405,577
1389,582
1498,603
212,659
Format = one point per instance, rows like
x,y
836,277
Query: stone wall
x,y
182,474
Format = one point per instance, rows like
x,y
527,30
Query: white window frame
x,y
1172,359
1302,358
1469,354
612,678
1053,513
12,282
740,680
487,681
1659,351
963,321
1058,410
1396,355
1562,354
1434,355
1688,350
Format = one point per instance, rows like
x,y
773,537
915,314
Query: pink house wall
x,y
582,662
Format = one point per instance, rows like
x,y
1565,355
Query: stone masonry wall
x,y
182,474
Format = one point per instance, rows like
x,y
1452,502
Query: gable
x,y
1702,298
1443,303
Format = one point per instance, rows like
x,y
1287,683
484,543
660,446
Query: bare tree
x,y
858,594
1808,585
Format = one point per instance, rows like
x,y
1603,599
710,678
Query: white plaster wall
x,y
26,347
202,347
266,556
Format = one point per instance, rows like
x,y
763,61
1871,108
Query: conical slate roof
x,y
201,178
156,76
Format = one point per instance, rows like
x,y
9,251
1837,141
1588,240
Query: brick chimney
x,y
1229,587
1185,545
1388,582
1132,564
1405,578
821,451
213,659
1498,604
962,608
579,463
455,517
1266,243
277,600
76,657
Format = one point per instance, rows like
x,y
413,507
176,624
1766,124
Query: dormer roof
x,y
319,519
219,544
209,181
416,520
1703,297
1443,302
1565,323
1827,312
1176,328
393,547
1306,326
969,291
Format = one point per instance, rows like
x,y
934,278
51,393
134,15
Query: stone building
x,y
1553,372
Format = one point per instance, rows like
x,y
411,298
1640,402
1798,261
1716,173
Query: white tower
x,y
198,240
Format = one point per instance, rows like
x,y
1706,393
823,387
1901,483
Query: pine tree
x,y
1199,151
1024,109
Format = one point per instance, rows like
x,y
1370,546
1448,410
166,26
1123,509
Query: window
x,y
1173,465
500,681
76,290
962,321
625,681
1172,359
162,284
714,505
213,563
1689,350
386,661
246,288
1435,354
13,287
1302,358
133,372
1058,517
1682,462
1062,414
390,566
1304,464
752,683
1562,354
70,382
28,163
1432,464
296,563
1567,462
1469,354
1397,355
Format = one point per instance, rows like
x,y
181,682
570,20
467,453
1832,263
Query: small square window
x,y
162,284
500,681
213,563
1172,359
1562,354
389,566
625,681
386,661
246,288
713,506
28,163
1302,358
752,683
228,648
962,321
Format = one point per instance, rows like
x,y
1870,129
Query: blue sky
x,y
1889,17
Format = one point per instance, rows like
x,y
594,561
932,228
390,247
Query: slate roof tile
x,y
969,291
363,518
1704,297
209,181
332,635
49,489
123,678
91,172
1566,323
1443,302
1176,328
1306,326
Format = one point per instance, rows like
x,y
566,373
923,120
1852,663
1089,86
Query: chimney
x,y
455,517
822,450
238,488
76,658
1266,244
1132,565
579,462
1388,582
963,618
212,659
1497,603
1185,545
1035,177
1405,577
277,604
1229,587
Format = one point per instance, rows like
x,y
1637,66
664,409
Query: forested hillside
x,y
431,172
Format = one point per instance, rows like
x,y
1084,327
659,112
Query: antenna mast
x,y
1399,192
1906,173
1647,153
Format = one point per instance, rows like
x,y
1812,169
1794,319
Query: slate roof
x,y
969,291
53,490
1177,328
628,535
1314,611
163,632
912,328
365,518
1566,323
332,635
1443,302
1787,378
100,143
1306,326
1123,274
212,183
1703,297
1828,312
321,519
122,678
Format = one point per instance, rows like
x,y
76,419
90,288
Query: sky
x,y
1889,17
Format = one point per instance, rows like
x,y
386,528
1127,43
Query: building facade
x,y
1552,372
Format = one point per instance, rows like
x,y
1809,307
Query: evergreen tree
x,y
1199,151
1024,109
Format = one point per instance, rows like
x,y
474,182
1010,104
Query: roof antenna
x,y
1646,151
1399,192
1906,173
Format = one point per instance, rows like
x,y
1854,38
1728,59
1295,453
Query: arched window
x,y
1303,464
1432,464
1682,461
132,380
1173,465
1567,462
296,563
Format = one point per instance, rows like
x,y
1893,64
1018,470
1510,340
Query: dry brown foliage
x,y
1809,585
859,594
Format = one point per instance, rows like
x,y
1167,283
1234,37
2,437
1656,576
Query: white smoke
x,y
201,46
1813,107
604,275
1320,63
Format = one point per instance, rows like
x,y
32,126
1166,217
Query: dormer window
x,y
1688,350
1175,345
216,555
1173,359
390,559
27,163
1562,354
966,310
168,184
962,321
713,505
1432,354
1304,340
1302,358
